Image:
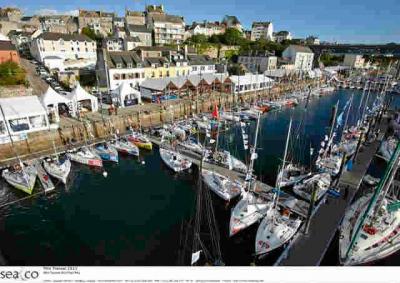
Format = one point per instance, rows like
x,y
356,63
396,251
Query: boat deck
x,y
299,207
324,224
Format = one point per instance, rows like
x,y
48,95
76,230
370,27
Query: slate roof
x,y
123,57
199,60
53,36
167,18
139,28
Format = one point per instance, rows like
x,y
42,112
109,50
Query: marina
x,y
148,171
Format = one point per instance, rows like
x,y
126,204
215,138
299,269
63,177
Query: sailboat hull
x,y
18,181
58,170
221,185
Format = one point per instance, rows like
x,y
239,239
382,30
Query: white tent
x,y
81,99
125,91
51,100
23,114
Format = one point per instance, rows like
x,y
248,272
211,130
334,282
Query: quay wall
x,y
94,129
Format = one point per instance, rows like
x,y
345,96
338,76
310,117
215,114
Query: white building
x,y
354,61
206,28
262,30
251,82
258,62
66,46
22,115
113,43
124,66
282,36
167,28
201,64
300,56
142,32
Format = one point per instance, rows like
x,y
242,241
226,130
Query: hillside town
x,y
93,85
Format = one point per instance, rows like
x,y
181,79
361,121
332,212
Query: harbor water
x,y
137,214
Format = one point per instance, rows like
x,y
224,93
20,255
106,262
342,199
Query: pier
x,y
325,223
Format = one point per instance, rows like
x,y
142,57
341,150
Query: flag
x,y
195,257
215,112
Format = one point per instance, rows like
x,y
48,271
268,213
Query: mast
x,y
253,154
9,135
279,177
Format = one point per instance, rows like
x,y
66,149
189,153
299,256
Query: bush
x,y
12,74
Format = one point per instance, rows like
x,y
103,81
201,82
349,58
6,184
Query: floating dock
x,y
309,249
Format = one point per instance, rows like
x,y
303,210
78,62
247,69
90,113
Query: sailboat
x,y
174,160
86,156
20,176
125,147
251,208
371,227
140,139
58,168
107,152
277,227
305,187
221,185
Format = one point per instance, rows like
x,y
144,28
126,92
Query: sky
x,y
344,21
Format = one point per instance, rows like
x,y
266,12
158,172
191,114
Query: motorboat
x,y
224,187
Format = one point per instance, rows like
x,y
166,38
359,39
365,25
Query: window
x,y
72,49
202,68
137,75
194,69
79,49
129,65
119,65
143,75
167,73
61,42
153,74
37,121
130,76
116,76
160,74
18,125
87,50
124,76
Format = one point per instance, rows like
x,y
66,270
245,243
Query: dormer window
x,y
119,65
61,42
129,65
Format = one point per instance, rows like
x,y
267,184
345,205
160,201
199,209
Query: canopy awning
x,y
52,97
22,106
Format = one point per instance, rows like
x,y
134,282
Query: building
x,y
262,30
142,32
355,61
8,52
131,42
135,18
281,36
100,22
168,29
118,22
20,39
300,56
155,51
201,64
251,82
258,62
232,22
113,43
23,115
66,46
313,40
59,24
206,28
10,14
30,23
123,66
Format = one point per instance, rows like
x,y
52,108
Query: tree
x,y
90,33
215,38
232,36
12,74
198,38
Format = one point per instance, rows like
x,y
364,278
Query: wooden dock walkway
x,y
309,249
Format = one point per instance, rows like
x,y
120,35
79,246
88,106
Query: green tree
x,y
232,36
90,33
12,74
198,38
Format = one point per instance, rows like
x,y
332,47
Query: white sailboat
x,y
86,156
371,227
251,208
305,187
292,175
174,160
58,168
277,227
20,176
125,147
224,187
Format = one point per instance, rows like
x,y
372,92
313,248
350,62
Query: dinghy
x,y
305,187
86,156
106,152
221,185
174,160
58,168
21,177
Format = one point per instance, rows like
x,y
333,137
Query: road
x,y
38,85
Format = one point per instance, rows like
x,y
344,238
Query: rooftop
x,y
301,48
264,24
134,13
167,18
199,60
86,13
139,28
6,45
124,58
67,37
